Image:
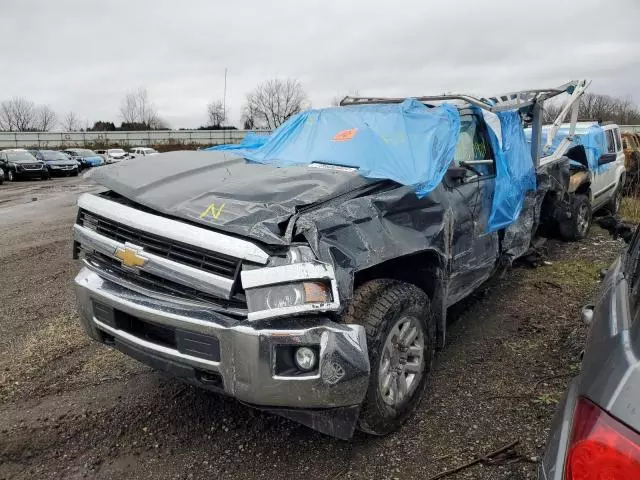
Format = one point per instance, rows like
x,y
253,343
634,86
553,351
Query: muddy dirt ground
x,y
70,408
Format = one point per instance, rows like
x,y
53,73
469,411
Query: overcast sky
x,y
85,56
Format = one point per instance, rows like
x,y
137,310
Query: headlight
x,y
290,284
276,297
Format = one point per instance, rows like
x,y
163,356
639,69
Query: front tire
x,y
10,176
577,226
401,343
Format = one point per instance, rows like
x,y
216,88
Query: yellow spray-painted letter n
x,y
211,210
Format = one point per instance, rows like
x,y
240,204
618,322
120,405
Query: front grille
x,y
32,166
199,258
157,284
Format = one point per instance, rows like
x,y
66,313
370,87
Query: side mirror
x,y
455,175
607,158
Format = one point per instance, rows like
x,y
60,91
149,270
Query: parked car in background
x,y
87,158
116,155
57,162
103,154
143,152
22,164
596,430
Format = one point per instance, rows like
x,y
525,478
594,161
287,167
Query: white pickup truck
x,y
597,173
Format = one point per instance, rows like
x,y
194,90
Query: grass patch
x,y
630,210
109,364
577,274
30,357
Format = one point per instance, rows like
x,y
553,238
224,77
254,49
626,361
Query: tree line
x,y
594,107
137,112
267,106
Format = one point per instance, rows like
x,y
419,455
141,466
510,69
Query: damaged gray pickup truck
x,y
313,291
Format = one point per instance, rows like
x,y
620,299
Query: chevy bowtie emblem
x,y
129,257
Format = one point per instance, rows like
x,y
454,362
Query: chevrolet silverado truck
x,y
317,289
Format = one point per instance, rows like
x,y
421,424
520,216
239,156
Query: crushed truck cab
x,y
308,273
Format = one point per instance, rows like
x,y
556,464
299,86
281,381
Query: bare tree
x,y
551,111
274,101
46,118
248,118
18,115
70,122
216,113
595,107
137,109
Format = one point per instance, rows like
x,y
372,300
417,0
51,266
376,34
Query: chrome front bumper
x,y
247,364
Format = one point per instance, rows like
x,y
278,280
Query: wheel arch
x,y
426,270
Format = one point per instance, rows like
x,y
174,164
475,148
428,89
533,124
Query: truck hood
x,y
225,192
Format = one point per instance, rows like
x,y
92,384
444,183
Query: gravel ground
x,y
70,408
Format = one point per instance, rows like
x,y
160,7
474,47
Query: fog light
x,y
305,358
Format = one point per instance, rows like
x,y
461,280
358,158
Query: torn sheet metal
x,y
517,238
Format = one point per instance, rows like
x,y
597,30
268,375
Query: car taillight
x,y
601,447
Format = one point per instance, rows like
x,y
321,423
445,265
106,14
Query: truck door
x,y
604,178
474,250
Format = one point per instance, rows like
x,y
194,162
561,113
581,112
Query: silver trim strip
x,y
156,265
260,277
172,229
122,335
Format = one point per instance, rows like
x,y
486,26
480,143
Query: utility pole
x,y
224,96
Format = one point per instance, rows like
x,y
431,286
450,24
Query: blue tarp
x,y
251,140
591,137
515,172
407,142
